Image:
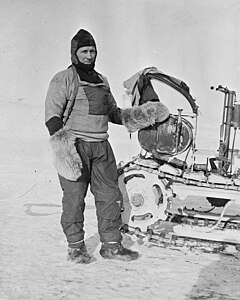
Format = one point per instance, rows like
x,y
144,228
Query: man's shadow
x,y
219,280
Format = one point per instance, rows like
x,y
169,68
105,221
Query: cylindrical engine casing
x,y
236,116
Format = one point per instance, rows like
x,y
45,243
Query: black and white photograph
x,y
120,150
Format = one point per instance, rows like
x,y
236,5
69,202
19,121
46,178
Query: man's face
x,y
86,55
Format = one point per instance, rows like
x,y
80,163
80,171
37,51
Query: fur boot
x,y
139,117
65,157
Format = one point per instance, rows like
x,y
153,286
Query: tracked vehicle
x,y
170,199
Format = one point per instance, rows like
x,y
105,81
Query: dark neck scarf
x,y
87,73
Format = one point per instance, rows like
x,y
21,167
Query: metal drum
x,y
161,137
236,116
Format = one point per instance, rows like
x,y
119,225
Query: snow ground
x,y
33,249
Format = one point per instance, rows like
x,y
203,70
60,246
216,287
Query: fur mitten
x,y
139,117
65,157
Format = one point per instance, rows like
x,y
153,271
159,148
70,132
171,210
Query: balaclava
x,y
81,39
86,71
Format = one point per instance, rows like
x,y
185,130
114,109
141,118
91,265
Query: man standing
x,y
78,107
83,125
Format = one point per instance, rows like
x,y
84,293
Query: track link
x,y
173,241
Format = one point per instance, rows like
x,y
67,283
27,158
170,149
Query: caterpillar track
x,y
174,241
156,218
170,200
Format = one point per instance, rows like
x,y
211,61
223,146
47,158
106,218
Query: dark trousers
x,y
100,172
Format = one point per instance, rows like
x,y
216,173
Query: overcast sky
x,y
194,40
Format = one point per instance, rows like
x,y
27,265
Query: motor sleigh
x,y
170,199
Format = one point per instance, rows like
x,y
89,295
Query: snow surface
x,y
33,248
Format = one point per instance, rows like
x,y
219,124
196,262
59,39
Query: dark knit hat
x,y
81,39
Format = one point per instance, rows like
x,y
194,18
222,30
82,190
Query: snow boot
x,y
79,255
117,251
